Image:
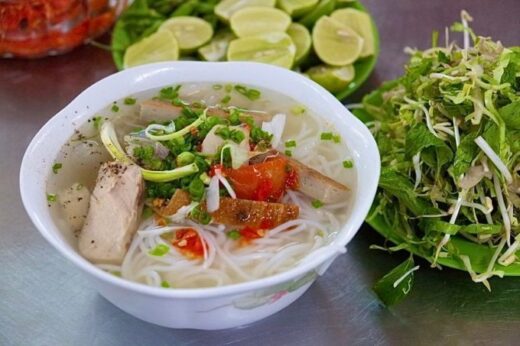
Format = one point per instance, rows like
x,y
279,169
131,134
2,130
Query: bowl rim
x,y
328,253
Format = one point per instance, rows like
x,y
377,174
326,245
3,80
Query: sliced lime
x,y
334,43
226,8
302,40
274,48
296,8
255,20
216,49
334,79
324,8
160,46
361,23
190,32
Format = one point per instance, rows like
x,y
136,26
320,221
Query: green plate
x,y
479,255
364,66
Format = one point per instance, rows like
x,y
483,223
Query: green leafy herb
x,y
56,167
159,250
397,284
448,138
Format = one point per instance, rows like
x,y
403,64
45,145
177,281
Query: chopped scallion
x,y
316,203
56,167
159,250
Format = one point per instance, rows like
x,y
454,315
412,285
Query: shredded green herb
x,y
448,132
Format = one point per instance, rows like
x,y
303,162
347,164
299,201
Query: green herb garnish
x,y
290,144
200,216
287,152
129,101
165,284
159,250
115,108
51,197
251,94
56,167
233,234
225,100
316,203
348,164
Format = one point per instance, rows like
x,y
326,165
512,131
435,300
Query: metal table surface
x,y
45,300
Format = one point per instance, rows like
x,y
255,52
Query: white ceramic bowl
x,y
203,308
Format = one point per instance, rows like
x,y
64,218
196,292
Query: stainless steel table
x,y
44,300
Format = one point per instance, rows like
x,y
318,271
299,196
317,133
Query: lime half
x,y
216,49
226,8
160,46
334,79
359,22
190,32
334,43
251,21
296,8
302,40
274,48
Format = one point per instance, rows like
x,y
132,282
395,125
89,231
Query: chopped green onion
x,y
165,284
326,136
97,121
234,117
336,138
129,101
56,167
290,144
233,234
196,189
199,215
228,88
51,197
225,100
251,94
316,203
147,213
184,131
159,250
185,158
348,164
287,152
298,110
115,108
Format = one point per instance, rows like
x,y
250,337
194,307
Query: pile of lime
x,y
333,42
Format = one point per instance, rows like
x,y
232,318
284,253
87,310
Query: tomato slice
x,y
264,181
188,241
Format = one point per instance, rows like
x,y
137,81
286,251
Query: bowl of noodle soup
x,y
238,278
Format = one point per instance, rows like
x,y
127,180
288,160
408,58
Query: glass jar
x,y
36,28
